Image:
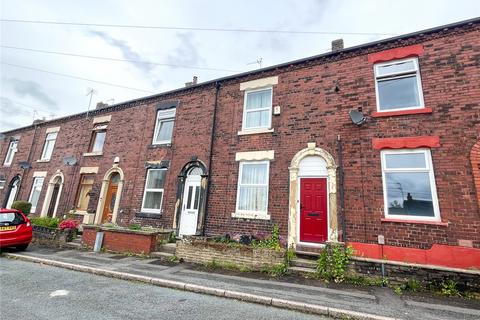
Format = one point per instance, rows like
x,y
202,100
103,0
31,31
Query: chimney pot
x,y
337,45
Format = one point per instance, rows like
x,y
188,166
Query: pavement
x,y
56,293
337,301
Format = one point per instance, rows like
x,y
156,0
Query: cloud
x,y
9,109
26,88
186,53
127,52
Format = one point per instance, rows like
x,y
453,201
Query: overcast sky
x,y
186,52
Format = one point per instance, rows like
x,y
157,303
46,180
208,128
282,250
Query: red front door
x,y
313,210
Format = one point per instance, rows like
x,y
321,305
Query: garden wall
x,y
204,252
121,240
52,237
400,272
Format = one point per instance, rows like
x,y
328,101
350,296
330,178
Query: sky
x,y
35,84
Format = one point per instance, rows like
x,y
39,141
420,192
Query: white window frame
x,y
96,130
37,184
245,111
12,149
47,157
428,168
163,118
398,75
239,212
145,190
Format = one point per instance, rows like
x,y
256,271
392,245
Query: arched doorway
x,y
191,199
110,193
313,200
52,197
12,191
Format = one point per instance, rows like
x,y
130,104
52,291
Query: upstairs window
x,y
35,193
409,185
398,85
257,109
12,149
164,126
252,193
98,138
153,193
48,146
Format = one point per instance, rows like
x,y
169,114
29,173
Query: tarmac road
x,y
34,291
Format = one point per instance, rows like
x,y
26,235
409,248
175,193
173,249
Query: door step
x,y
160,254
304,263
167,248
302,270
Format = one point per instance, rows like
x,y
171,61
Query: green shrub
x,y
449,288
23,206
45,222
332,262
134,226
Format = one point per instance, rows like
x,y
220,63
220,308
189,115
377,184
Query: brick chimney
x,y
101,105
337,45
192,83
38,121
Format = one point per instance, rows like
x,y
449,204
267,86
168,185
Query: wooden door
x,y
313,210
109,205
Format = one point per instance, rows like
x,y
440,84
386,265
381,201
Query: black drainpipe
x,y
217,89
341,187
26,170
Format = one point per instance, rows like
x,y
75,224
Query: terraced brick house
x,y
375,145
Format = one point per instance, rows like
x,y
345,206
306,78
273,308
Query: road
x,y
33,291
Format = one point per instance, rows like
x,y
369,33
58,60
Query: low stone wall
x,y
400,272
203,252
121,240
52,237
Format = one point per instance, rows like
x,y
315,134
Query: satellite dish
x,y
25,165
357,117
69,160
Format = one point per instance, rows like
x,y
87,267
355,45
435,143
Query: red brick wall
x,y
311,111
121,241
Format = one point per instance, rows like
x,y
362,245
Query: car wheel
x,y
22,247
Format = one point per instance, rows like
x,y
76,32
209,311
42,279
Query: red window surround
x,y
395,54
378,114
406,142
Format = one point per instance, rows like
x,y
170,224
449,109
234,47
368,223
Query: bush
x,y
68,224
45,222
134,226
23,206
271,242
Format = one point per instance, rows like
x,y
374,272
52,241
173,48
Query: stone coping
x,y
126,230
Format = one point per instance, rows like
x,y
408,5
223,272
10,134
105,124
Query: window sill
x,y
160,145
148,215
435,223
379,114
251,215
92,154
255,131
43,160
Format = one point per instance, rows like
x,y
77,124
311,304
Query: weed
x,y
173,258
449,288
332,263
398,290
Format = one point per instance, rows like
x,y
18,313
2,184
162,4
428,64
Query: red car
x,y
15,229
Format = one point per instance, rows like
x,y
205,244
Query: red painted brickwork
x,y
406,143
311,111
397,53
475,160
120,241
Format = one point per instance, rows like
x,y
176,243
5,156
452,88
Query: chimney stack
x,y
38,121
101,105
337,45
192,83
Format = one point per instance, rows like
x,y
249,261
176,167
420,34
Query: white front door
x,y
191,202
13,194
